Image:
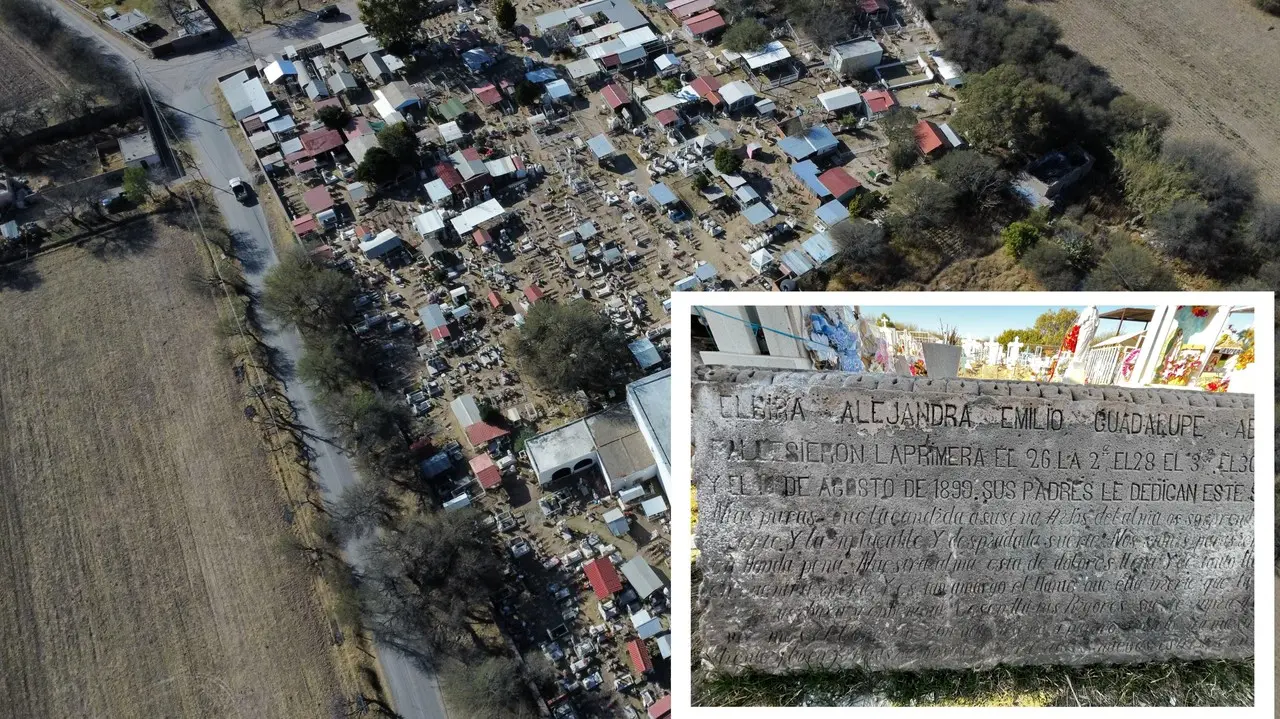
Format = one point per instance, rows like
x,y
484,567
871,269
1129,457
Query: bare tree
x,y
258,6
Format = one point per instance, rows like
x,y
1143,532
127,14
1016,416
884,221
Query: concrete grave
x,y
890,523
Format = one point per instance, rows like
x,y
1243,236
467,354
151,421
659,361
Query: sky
x,y
984,321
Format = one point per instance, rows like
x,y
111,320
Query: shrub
x,y
728,162
1050,264
746,35
1129,266
334,118
1019,237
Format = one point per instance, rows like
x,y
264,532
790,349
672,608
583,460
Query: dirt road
x,y
141,570
1207,63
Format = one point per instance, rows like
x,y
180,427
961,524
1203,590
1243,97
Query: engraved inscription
x,y
884,528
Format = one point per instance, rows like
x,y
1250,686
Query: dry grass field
x,y
141,568
26,78
1210,64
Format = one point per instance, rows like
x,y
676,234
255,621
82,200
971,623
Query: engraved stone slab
x,y
892,523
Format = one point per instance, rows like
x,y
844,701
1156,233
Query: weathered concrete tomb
x,y
895,523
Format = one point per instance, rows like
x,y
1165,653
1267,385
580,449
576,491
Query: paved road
x,y
188,83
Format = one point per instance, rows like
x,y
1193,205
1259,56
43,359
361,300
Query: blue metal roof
x,y
808,174
558,89
832,212
645,353
663,194
815,141
705,272
600,146
757,213
438,464
796,262
820,248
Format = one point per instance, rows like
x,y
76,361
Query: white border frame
x,y
681,505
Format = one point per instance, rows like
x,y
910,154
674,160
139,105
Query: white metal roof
x,y
640,575
343,36
437,190
256,94
429,223
767,55
386,241
450,132
476,216
579,69
465,409
662,102
839,98
736,91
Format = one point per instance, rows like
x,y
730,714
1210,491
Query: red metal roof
x,y
483,433
603,577
615,95
321,141
318,199
704,23
304,166
839,182
296,156
661,709
481,237
254,124
449,175
928,137
486,472
488,94
879,100
306,225
494,300
872,6
639,656
532,293
667,117
328,102
439,333
359,126
704,85
322,251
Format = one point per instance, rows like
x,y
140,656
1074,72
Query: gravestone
x,y
892,523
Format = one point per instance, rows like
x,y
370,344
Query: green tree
x,y
745,35
527,93
1019,237
1054,324
378,166
728,162
300,293
400,141
393,21
865,203
1002,111
978,179
1150,184
333,117
1026,336
571,347
1127,114
1129,266
701,182
504,13
137,188
671,85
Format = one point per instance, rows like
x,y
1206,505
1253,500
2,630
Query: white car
x,y
240,189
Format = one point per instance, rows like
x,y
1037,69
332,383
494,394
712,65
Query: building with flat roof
x,y
609,439
650,402
139,150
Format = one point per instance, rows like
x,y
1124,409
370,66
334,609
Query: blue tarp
x,y
832,212
542,74
757,213
645,353
796,262
476,59
808,174
436,465
820,248
663,194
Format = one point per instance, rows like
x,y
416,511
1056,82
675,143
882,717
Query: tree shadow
x,y
123,241
252,256
19,276
298,26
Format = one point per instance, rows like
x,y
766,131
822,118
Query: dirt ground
x,y
140,529
1201,61
26,79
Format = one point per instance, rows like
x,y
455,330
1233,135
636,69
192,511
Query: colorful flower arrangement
x,y
918,370
1130,361
1246,357
1073,336
1200,310
1214,383
1178,369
